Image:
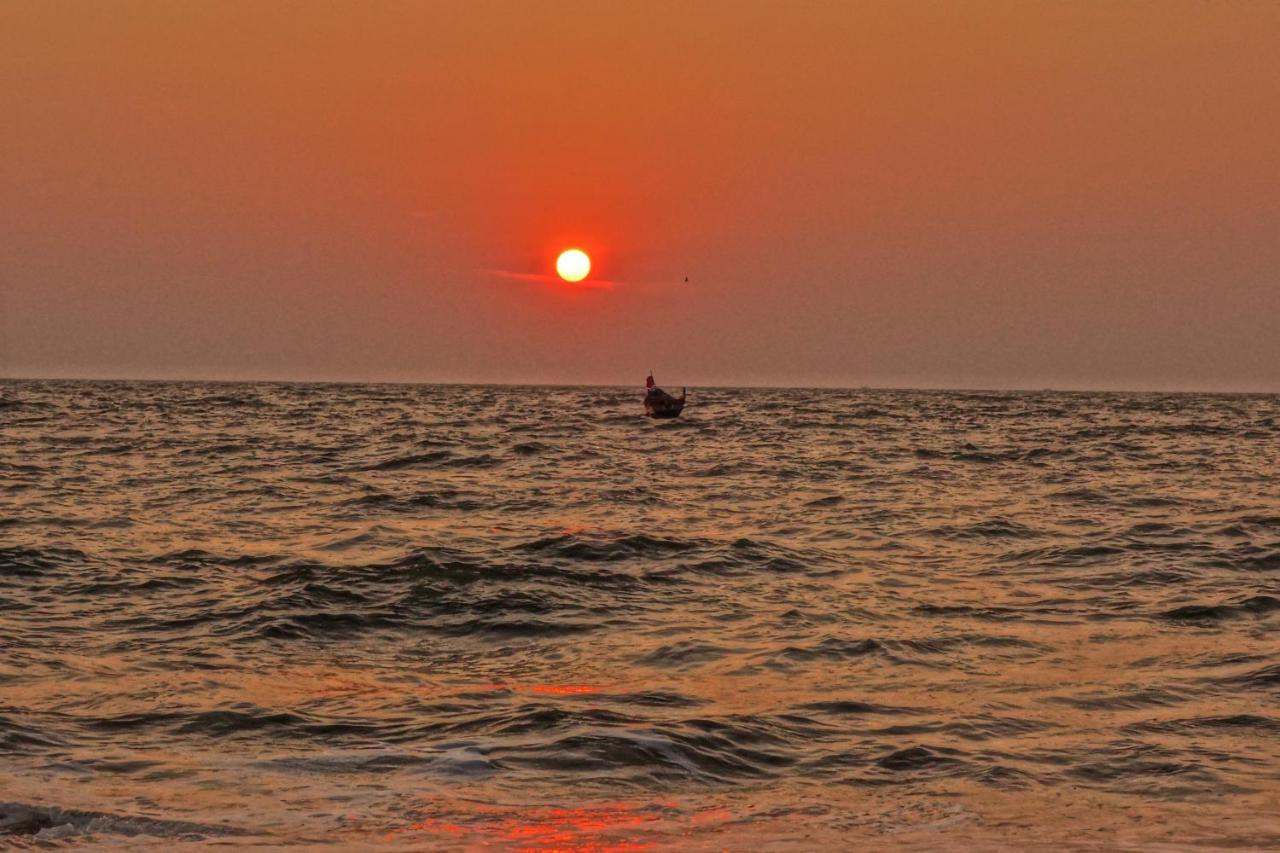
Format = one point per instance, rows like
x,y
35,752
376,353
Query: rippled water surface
x,y
533,619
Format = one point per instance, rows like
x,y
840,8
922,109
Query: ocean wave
x,y
50,824
1258,605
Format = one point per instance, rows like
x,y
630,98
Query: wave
x,y
50,824
1258,605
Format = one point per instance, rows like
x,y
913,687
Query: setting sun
x,y
573,265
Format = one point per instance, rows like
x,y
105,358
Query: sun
x,y
573,265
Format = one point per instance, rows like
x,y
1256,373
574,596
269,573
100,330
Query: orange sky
x,y
1020,194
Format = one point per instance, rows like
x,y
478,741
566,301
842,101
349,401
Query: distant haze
x,y
979,194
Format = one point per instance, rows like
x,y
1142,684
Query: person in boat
x,y
651,388
652,391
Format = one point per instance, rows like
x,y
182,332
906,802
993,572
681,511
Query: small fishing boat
x,y
660,404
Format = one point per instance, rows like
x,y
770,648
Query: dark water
x,y
532,619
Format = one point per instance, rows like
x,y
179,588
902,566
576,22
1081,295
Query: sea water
x,y
460,617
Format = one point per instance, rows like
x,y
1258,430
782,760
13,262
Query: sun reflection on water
x,y
600,828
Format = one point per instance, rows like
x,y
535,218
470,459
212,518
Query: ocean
x,y
469,617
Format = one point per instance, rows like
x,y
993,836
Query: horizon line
x,y
763,387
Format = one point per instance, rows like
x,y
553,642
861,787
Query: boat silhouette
x,y
660,404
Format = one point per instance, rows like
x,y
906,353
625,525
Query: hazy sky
x,y
993,194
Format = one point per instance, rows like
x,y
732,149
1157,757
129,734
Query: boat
x,y
660,404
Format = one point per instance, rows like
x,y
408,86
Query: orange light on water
x,y
564,689
601,828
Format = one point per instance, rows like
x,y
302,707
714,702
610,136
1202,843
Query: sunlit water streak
x,y
532,619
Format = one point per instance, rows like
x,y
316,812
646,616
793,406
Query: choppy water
x,y
531,618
